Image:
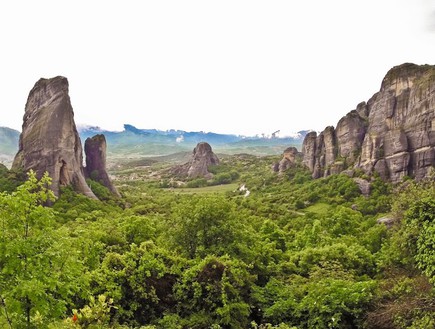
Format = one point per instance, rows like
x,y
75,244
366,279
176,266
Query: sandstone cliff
x,y
95,150
49,140
392,134
202,157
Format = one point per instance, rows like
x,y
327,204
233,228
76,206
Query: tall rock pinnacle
x,y
49,140
95,150
197,167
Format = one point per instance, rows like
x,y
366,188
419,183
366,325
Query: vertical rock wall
x,y
49,140
392,134
95,150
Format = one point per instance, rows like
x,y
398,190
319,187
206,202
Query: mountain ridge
x,y
136,142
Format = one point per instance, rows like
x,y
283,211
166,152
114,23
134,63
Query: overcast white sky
x,y
242,67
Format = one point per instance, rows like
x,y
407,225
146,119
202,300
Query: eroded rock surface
x,y
49,140
392,134
95,150
289,159
202,157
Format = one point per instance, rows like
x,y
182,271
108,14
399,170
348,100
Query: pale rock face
x,y
350,134
49,140
329,148
309,150
392,134
289,158
400,124
319,151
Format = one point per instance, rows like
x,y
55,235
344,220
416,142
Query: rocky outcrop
x,y
290,158
95,150
393,134
309,147
202,157
49,141
363,185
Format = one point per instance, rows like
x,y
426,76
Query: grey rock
x,y
363,185
95,150
289,159
49,141
202,157
392,134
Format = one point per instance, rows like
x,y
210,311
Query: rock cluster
x,y
49,141
392,134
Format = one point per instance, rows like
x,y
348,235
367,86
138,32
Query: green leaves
x,y
38,269
421,217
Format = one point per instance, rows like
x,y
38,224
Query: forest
x,y
294,252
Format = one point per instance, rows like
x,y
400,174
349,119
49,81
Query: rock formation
x,y
290,157
392,134
95,150
49,140
202,158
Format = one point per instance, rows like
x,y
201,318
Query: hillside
x,y
134,144
247,233
8,145
294,252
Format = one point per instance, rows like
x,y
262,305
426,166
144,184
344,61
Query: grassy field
x,y
207,189
318,208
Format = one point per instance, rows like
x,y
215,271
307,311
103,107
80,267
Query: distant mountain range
x,y
133,143
8,145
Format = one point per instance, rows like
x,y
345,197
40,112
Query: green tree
x,y
204,225
39,270
421,219
213,293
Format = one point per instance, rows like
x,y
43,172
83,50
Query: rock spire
x,y
393,134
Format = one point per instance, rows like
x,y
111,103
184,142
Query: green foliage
x,y
100,191
10,179
139,281
204,225
214,292
197,182
294,253
39,268
421,219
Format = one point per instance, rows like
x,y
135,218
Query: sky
x,y
237,67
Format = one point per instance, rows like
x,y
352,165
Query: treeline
x,y
296,253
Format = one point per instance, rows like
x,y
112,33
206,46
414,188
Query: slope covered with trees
x,y
294,253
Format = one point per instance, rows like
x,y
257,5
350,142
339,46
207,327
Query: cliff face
x,y
392,134
49,140
95,150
